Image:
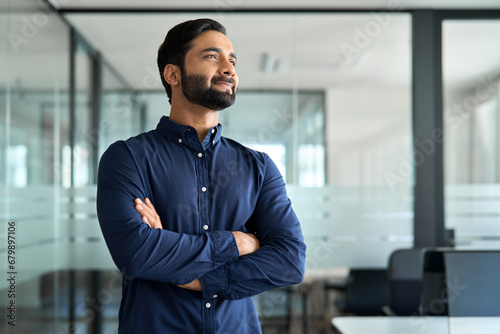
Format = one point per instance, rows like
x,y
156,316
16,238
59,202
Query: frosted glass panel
x,y
472,127
473,211
353,226
71,241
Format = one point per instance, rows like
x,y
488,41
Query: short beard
x,y
195,91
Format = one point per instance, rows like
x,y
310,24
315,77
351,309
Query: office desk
x,y
391,325
479,325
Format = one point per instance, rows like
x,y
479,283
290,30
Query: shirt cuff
x,y
225,248
215,283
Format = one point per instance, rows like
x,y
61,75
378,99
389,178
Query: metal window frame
x,y
429,212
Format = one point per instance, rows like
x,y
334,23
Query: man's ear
x,y
172,74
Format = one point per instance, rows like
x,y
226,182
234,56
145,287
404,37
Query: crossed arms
x,y
247,243
231,264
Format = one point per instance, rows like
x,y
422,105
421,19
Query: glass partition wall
x,y
472,124
34,123
51,245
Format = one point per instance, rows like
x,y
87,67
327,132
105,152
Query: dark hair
x,y
178,42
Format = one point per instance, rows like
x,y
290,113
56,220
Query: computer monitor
x,y
473,283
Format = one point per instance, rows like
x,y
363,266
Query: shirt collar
x,y
178,132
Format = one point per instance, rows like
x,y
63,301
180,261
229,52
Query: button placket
x,y
203,184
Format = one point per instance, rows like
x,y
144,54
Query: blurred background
x,y
382,116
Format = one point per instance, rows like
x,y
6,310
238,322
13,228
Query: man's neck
x,y
200,118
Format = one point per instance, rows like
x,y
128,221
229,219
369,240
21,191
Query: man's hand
x,y
194,285
148,213
247,242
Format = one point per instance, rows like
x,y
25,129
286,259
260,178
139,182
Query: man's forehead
x,y
212,39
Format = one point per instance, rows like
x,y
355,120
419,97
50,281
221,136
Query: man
x,y
196,222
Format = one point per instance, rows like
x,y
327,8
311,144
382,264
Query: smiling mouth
x,y
224,84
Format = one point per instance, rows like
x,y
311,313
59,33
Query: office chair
x,y
404,276
365,292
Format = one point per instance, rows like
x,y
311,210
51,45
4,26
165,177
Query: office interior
x,y
382,116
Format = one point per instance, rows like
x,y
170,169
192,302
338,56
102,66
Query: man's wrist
x,y
194,285
247,243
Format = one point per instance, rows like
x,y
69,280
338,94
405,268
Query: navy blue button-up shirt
x,y
202,191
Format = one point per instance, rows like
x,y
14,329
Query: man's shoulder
x,y
245,150
252,156
141,141
137,145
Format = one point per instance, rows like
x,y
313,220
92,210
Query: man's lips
x,y
224,84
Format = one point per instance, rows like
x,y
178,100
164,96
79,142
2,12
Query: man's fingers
x,y
145,219
152,208
143,210
145,206
148,212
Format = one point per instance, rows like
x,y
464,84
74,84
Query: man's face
x,y
209,78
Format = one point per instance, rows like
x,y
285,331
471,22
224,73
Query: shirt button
x,y
213,130
213,142
200,155
180,140
205,227
204,189
215,296
207,305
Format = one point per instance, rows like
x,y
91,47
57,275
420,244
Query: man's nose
x,y
227,68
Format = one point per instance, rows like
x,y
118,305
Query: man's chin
x,y
224,100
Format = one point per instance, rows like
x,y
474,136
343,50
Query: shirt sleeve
x,y
280,260
144,252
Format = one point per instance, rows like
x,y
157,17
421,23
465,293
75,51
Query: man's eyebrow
x,y
214,49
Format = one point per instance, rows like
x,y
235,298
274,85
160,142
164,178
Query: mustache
x,y
223,78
